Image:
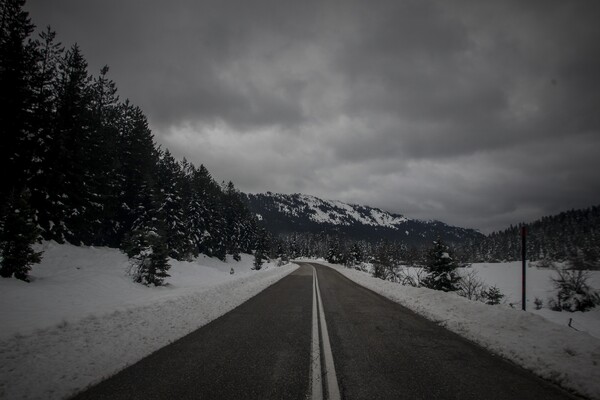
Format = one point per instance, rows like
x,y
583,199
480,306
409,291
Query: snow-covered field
x,y
82,318
540,341
507,277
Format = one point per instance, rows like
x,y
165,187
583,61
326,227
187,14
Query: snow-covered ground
x,y
82,318
542,344
507,277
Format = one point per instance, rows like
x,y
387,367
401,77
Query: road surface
x,y
322,336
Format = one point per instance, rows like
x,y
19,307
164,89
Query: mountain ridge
x,y
291,213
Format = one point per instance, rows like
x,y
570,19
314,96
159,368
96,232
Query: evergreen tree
x,y
231,208
69,192
17,236
333,252
355,256
137,162
441,269
49,55
170,180
103,162
148,251
17,66
261,251
383,266
210,212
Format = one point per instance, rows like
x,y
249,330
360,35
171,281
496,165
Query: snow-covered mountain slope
x,y
284,213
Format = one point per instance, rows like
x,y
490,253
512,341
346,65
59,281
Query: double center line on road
x,y
317,373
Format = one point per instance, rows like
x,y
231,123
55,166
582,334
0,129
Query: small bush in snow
x,y
492,296
574,293
410,276
364,267
380,271
471,286
538,303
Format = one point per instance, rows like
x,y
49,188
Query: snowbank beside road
x,y
82,319
557,353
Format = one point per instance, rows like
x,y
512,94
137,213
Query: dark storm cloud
x,y
477,113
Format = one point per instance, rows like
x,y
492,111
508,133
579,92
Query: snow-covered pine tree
x,y
441,269
19,232
293,247
210,213
148,254
17,66
280,254
332,252
383,266
232,209
170,179
261,249
49,54
355,256
70,192
136,168
146,246
103,163
197,214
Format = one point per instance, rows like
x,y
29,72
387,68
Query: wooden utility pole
x,y
524,258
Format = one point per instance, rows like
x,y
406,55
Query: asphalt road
x,y
381,350
259,350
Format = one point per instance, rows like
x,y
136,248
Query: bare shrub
x,y
471,286
574,292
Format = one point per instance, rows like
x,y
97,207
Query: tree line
x,y
566,236
81,166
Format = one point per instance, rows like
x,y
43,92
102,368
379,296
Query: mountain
x,y
284,214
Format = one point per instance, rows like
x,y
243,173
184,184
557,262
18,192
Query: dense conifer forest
x,y
566,236
80,165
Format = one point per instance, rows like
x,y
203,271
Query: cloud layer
x,y
480,115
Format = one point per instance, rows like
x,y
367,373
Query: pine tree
x,y
355,256
18,234
261,251
383,266
17,66
210,214
70,192
441,269
49,55
333,252
103,164
170,179
146,243
148,251
232,208
136,168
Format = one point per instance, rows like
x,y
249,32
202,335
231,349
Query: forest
x,y
80,165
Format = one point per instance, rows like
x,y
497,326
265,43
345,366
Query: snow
x,y
340,213
553,351
507,277
82,319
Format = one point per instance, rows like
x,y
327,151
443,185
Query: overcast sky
x,y
479,115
